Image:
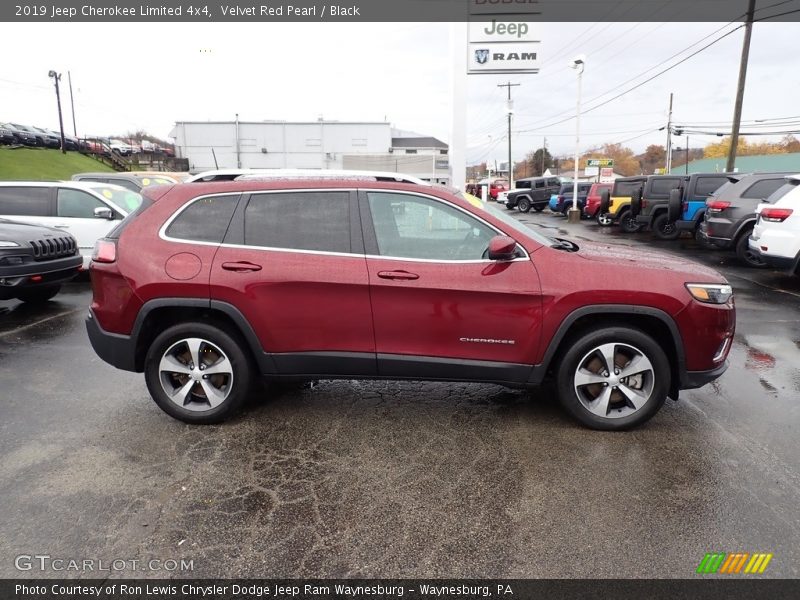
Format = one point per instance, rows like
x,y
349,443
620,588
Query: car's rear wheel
x,y
627,222
524,205
613,378
198,373
604,219
743,252
664,228
38,295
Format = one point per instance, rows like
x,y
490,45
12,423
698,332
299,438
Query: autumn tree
x,y
654,157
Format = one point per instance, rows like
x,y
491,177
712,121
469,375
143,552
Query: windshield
x,y
127,200
512,223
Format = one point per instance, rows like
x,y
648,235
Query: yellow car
x,y
618,209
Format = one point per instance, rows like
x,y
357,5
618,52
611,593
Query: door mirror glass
x,y
502,247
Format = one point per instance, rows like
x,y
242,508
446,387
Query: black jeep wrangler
x,y
532,192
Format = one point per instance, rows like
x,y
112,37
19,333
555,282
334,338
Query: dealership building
x,y
372,146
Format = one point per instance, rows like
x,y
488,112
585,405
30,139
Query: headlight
x,y
5,244
711,293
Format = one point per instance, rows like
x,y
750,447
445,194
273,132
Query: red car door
x,y
294,265
439,308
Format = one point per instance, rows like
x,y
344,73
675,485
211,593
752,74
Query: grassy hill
x,y
37,164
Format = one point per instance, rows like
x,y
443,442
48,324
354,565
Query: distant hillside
x,y
34,163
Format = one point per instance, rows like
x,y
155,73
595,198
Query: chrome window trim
x,y
162,231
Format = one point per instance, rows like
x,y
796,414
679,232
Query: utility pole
x,y
510,108
72,103
56,77
737,109
669,138
544,151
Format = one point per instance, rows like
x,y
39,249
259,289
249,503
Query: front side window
x,y
317,221
77,204
408,226
204,220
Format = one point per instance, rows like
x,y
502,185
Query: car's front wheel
x,y
524,205
198,373
613,378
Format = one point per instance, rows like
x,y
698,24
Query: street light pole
x,y
574,215
509,107
56,77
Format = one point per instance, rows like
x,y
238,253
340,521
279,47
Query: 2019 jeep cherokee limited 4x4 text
x,y
206,286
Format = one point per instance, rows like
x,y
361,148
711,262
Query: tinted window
x,y
763,188
553,182
626,188
781,192
204,220
540,184
708,185
523,185
134,187
77,204
299,221
664,186
30,201
409,226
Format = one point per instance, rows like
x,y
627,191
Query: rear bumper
x,y
115,349
719,242
782,263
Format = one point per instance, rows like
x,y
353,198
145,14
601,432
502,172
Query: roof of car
x,y
79,185
266,174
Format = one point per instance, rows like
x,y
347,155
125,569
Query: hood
x,y
619,256
14,231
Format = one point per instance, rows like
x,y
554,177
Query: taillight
x,y
105,251
644,203
775,215
717,205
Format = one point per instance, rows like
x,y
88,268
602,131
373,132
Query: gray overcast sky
x,y
155,74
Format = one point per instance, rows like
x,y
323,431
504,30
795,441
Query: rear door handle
x,y
398,275
241,266
61,226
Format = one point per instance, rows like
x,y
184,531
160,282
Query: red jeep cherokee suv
x,y
208,285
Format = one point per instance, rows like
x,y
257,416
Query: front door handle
x,y
398,275
241,266
61,226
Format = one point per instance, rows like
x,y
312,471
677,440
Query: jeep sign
x,y
487,57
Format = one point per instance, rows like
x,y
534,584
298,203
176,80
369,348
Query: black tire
x,y
604,219
219,345
524,205
539,207
509,207
743,252
627,222
605,202
675,205
38,295
664,228
621,413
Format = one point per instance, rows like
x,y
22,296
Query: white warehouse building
x,y
309,145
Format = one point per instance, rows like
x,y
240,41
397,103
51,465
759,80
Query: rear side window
x,y
664,186
781,192
523,185
204,220
626,188
318,221
25,201
764,188
708,185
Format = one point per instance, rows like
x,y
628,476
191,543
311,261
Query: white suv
x,y
776,236
87,210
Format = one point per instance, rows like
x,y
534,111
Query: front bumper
x,y
14,278
696,379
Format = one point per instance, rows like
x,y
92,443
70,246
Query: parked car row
x,y
720,209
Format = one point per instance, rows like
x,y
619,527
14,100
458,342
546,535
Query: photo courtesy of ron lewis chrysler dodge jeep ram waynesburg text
x,y
205,287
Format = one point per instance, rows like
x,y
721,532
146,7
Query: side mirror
x,y
502,247
102,212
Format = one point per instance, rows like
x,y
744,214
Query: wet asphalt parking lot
x,y
385,479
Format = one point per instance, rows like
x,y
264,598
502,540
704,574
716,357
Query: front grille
x,y
50,248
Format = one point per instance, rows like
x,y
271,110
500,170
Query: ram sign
x,y
503,58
